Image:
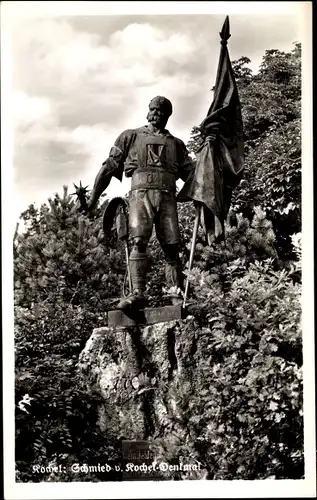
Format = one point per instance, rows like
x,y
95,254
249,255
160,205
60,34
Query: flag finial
x,y
225,31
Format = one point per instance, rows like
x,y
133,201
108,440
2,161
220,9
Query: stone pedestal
x,y
148,316
145,375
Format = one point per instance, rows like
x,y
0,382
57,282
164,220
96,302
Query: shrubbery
x,y
65,279
248,418
250,413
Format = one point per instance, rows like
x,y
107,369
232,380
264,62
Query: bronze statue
x,y
155,160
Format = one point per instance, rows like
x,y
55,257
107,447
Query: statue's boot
x,y
138,263
133,301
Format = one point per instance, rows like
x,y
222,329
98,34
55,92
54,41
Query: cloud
x,y
27,110
73,66
74,93
130,45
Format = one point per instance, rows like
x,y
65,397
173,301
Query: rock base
x,y
145,375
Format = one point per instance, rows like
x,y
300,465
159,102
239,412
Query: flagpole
x,y
128,265
192,250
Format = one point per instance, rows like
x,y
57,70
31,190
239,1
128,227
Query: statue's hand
x,y
211,139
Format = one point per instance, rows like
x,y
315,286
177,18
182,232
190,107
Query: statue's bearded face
x,y
160,110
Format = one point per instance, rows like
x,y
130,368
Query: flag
x,y
220,159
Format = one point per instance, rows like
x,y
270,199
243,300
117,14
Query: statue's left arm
x,y
111,167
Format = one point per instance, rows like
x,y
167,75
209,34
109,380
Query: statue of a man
x,y
155,160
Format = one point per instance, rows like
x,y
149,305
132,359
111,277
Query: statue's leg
x,y
173,269
140,229
139,264
167,230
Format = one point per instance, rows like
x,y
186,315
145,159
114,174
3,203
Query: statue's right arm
x,y
112,167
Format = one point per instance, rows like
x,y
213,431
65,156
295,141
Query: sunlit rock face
x,y
146,377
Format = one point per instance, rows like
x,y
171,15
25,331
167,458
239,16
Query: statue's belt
x,y
153,178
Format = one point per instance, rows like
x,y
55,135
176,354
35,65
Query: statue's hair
x,y
164,102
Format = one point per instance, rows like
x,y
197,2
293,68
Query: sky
x,y
78,81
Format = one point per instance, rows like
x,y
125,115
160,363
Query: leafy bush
x,y
243,409
248,415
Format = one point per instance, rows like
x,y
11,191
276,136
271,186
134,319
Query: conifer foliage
x,y
66,278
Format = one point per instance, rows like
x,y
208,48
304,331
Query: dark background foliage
x,y
244,292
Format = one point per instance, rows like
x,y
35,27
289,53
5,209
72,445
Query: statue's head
x,y
160,109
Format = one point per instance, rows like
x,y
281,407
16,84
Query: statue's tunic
x,y
154,161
